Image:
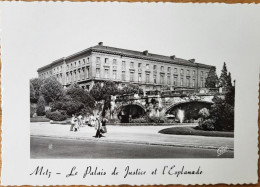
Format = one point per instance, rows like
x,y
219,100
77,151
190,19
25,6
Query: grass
x,y
39,119
192,131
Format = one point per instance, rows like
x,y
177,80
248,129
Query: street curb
x,y
133,142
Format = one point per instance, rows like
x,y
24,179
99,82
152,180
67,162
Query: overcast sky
x,y
36,34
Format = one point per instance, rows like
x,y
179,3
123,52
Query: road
x,y
46,147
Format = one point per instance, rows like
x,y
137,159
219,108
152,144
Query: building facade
x,y
149,71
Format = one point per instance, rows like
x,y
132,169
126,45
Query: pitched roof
x,y
131,53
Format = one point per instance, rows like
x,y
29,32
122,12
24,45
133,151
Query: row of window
x,y
98,61
74,76
78,63
148,78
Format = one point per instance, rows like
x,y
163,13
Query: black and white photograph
x,y
131,87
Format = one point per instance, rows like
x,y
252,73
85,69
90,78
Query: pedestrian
x,y
72,122
104,127
77,124
98,127
80,119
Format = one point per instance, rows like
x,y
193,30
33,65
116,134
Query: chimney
x,y
145,52
192,60
172,57
100,43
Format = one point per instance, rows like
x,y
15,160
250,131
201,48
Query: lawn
x,y
192,131
39,119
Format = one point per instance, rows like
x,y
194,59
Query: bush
x,y
140,120
32,109
208,125
160,119
40,110
56,115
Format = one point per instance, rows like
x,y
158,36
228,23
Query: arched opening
x,y
129,112
190,110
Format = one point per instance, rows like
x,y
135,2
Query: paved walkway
x,y
131,134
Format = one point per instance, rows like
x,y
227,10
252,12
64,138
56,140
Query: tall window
x,y
154,67
169,80
78,75
106,60
79,62
123,75
75,64
182,71
147,78
114,62
98,60
201,73
162,68
123,64
147,66
131,76
97,72
202,83
139,77
162,79
193,73
83,63
87,73
139,65
193,83
188,82
68,67
188,72
181,81
175,70
132,65
114,74
175,81
106,73
154,79
169,69
87,60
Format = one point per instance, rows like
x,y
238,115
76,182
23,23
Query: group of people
x,y
78,121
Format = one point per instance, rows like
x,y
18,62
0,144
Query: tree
x,y
51,89
40,109
36,83
32,93
229,81
79,95
223,114
131,89
95,92
223,79
212,79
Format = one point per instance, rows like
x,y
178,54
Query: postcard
x,y
109,93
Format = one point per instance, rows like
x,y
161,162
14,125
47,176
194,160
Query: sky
x,y
35,34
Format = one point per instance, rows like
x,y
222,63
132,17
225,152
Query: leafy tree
x,y
212,79
40,109
74,85
80,95
230,96
223,79
36,83
32,93
96,93
51,89
223,114
131,89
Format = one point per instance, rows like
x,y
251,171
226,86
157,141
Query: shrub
x,y
40,110
207,125
56,115
32,109
160,119
140,120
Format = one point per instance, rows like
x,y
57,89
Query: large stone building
x,y
150,71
